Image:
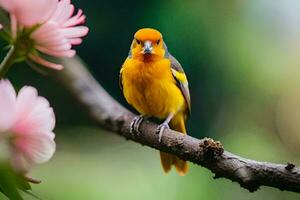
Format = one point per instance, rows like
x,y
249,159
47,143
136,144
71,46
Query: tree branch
x,y
108,113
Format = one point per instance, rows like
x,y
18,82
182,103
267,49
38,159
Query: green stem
x,y
8,61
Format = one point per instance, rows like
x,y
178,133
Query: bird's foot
x,y
160,130
135,124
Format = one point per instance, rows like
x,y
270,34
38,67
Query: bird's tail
x,y
167,160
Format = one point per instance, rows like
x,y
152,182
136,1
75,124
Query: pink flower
x,y
29,12
59,28
27,122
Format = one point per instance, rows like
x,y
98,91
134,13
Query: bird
x,y
154,83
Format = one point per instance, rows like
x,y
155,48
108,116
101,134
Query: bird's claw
x,y
160,130
135,124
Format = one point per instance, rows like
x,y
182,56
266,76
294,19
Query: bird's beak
x,y
147,49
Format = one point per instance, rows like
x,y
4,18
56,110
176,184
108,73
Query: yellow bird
x,y
154,83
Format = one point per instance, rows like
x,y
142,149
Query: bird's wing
x,y
120,78
181,80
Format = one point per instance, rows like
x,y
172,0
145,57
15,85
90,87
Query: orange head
x,y
147,44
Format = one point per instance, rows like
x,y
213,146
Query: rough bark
x,y
108,113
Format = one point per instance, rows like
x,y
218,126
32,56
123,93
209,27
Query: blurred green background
x,y
242,61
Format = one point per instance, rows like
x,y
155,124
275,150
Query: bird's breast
x,y
150,87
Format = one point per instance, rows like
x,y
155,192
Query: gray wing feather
x,y
120,79
184,87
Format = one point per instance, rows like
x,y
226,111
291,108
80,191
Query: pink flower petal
x,y
75,20
41,117
56,52
49,30
7,105
25,101
75,32
37,147
64,11
76,41
30,12
45,63
57,35
32,149
7,4
59,47
33,113
53,41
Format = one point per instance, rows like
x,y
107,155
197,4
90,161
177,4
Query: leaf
x,y
22,184
8,185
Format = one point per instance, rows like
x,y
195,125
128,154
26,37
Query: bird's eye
x,y
158,41
137,41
